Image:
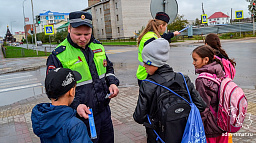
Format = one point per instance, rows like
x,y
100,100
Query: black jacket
x,y
92,94
149,91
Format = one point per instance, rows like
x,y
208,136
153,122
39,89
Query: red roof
x,y
218,15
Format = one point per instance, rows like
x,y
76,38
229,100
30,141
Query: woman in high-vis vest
x,y
154,29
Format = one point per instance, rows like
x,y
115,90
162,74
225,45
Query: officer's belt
x,y
90,81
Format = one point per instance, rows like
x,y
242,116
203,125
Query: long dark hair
x,y
206,51
214,41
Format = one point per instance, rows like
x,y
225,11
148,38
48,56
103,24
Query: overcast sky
x,y
11,11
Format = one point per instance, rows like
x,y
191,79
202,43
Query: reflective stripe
x,y
89,81
110,74
141,63
80,20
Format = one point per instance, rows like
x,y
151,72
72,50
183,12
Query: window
x,y
222,18
116,5
118,30
100,10
102,31
217,18
117,18
210,19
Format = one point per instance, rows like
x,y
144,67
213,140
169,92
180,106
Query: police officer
x,y
81,52
154,30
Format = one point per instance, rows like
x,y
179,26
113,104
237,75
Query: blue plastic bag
x,y
194,130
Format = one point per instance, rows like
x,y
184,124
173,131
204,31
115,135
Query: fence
x,y
243,27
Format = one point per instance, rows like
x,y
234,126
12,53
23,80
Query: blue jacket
x,y
58,124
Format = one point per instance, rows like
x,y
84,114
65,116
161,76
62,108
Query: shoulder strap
x,y
209,76
172,90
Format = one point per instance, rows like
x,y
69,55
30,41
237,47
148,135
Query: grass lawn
x,y
18,52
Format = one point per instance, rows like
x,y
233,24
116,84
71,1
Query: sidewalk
x,y
15,123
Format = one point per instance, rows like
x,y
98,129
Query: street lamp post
x,y
25,25
34,28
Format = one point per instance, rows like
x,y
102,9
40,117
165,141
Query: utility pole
x,y
253,20
25,25
34,28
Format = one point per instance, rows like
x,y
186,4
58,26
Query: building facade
x,y
218,18
118,18
51,18
19,36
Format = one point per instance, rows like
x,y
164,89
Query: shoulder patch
x,y
96,41
58,50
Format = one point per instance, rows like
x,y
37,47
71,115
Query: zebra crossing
x,y
17,86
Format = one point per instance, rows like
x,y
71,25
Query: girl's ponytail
x,y
214,41
151,26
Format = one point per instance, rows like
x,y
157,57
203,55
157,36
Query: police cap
x,y
162,16
79,18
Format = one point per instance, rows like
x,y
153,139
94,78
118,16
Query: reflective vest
x,y
141,71
74,59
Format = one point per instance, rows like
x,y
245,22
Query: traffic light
x,y
253,6
38,19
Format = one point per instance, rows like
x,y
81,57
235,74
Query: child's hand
x,y
83,111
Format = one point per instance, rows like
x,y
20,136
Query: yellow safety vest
x,y
74,59
141,71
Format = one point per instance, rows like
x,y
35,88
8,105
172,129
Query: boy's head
x,y
155,54
59,81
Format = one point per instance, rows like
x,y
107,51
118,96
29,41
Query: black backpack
x,y
171,112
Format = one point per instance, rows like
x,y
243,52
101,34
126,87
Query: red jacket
x,y
209,92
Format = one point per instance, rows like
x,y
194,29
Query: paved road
x,y
15,123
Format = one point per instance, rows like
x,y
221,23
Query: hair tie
x,y
214,57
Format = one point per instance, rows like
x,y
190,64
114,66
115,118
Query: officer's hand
x,y
176,33
83,111
114,90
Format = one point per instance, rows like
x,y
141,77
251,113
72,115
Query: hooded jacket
x,y
148,93
58,124
209,92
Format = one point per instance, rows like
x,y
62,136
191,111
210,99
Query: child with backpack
x,y
56,122
167,120
205,62
228,64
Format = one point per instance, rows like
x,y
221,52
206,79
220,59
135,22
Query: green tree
x,y
61,36
178,24
197,22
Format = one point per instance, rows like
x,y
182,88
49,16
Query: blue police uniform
x,y
91,94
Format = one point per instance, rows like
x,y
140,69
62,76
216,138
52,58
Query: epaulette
x,y
96,41
58,50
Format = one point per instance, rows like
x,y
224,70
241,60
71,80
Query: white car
x,y
39,43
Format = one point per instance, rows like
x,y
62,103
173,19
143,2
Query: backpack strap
x,y
211,77
190,103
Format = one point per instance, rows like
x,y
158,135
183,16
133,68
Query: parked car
x,y
16,44
39,43
21,43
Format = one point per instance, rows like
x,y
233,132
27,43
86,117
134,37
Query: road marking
x,y
16,77
20,87
19,81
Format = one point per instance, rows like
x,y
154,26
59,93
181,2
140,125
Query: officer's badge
x,y
105,63
82,17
